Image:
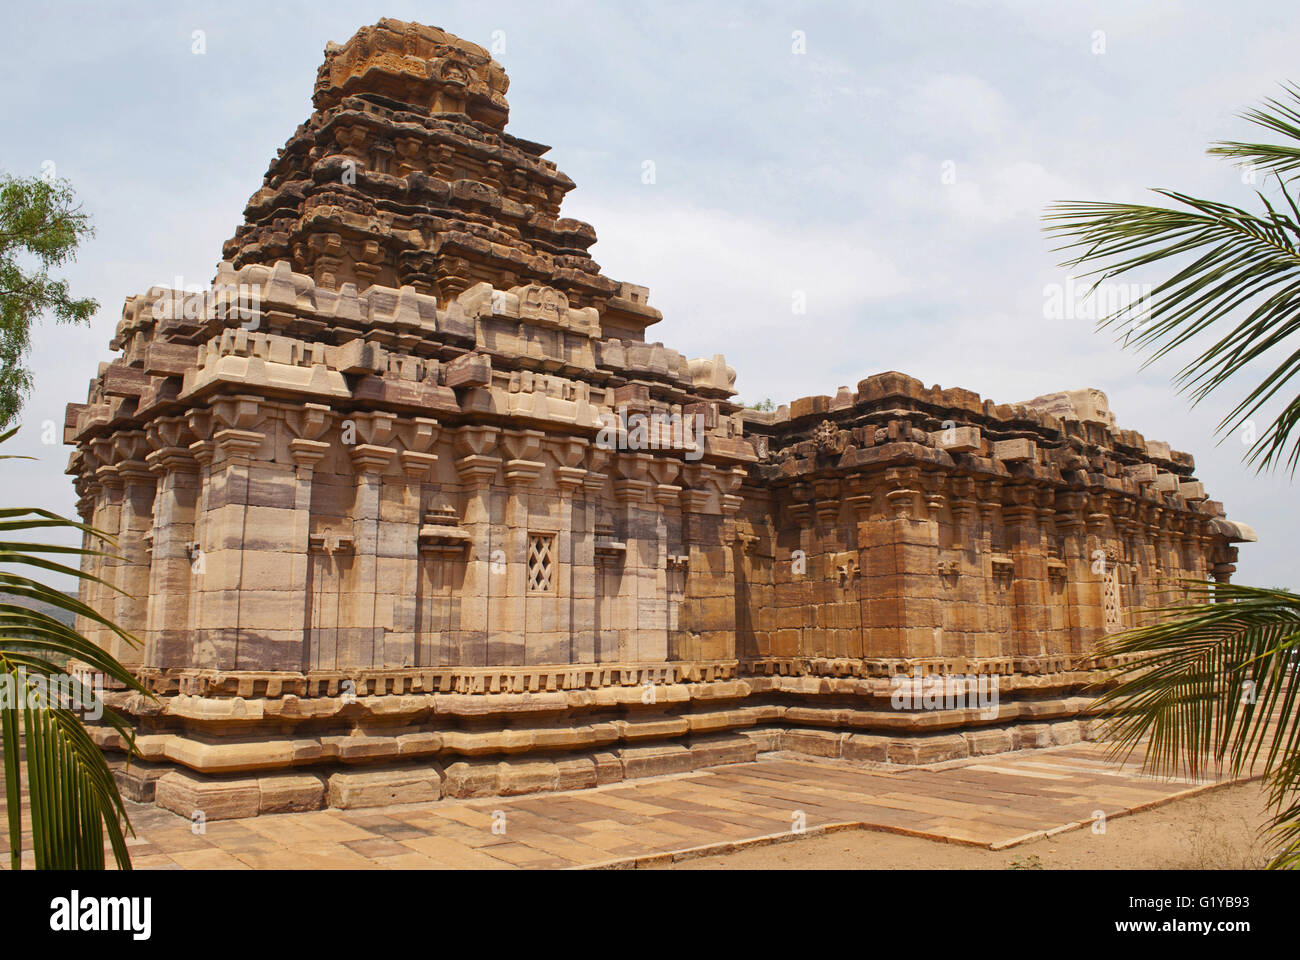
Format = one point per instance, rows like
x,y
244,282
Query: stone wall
x,y
900,522
407,506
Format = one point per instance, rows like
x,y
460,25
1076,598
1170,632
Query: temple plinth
x,y
409,507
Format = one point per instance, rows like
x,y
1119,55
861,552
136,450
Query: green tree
x,y
73,798
1212,682
40,227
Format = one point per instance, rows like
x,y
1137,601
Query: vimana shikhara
x,y
408,507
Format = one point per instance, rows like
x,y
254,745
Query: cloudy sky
x,y
894,172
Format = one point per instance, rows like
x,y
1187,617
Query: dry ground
x,y
1217,830
1030,809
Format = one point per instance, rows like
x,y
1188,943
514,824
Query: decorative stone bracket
x,y
1003,569
342,543
606,546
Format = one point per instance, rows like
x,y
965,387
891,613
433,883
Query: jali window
x,y
1114,610
541,562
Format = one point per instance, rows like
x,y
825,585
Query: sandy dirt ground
x,y
1217,830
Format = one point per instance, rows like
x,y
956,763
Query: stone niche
x,y
409,507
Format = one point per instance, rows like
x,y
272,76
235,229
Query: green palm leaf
x,y
1213,683
1281,117
1213,686
1236,280
1207,681
73,798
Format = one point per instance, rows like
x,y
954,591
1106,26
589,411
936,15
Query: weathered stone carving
x,y
419,495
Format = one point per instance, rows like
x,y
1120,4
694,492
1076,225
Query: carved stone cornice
x,y
1070,507
135,472
417,466
108,478
204,451
238,446
568,451
240,413
521,473
374,428
989,495
935,491
631,491
478,470
522,445
903,485
307,453
309,421
371,458
826,500
858,496
201,423
593,482
476,440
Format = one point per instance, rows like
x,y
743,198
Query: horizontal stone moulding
x,y
428,680
217,795
231,734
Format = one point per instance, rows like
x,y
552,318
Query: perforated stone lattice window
x,y
1113,609
541,562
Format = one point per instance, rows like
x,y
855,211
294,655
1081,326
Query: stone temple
x,y
409,507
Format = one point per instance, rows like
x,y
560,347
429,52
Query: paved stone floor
x,y
994,802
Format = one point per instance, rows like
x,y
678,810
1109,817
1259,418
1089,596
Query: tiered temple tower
x,y
408,507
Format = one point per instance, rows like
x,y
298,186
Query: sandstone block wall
x,y
408,506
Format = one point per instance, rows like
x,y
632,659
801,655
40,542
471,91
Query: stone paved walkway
x,y
993,802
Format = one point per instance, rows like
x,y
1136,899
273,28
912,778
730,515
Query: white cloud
x,y
736,274
779,173
955,105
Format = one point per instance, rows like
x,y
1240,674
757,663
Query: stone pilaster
x,y
487,565
946,638
244,616
93,504
1224,560
996,571
670,554
639,615
859,498
131,605
204,450
401,512
821,637
963,572
1145,530
366,610
702,533
171,574
719,641
1122,514
576,608
902,566
1029,577
1072,525
88,502
607,566
792,572
527,631
306,450
108,519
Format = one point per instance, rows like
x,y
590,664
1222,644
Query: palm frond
x,y
73,799
1277,116
1242,263
1210,686
1285,824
